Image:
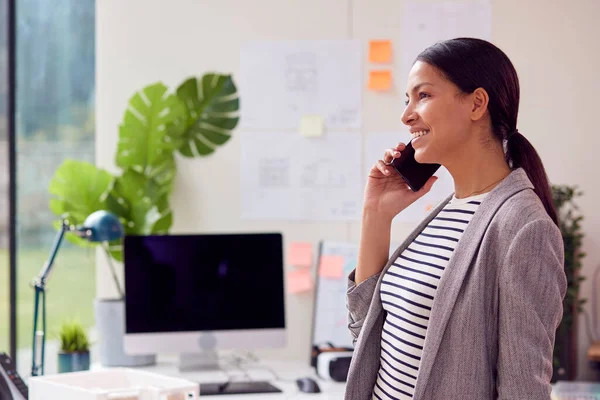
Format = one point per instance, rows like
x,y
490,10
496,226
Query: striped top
x,y
407,291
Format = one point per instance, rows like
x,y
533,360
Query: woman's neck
x,y
478,170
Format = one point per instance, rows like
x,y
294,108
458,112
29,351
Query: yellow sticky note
x,y
331,266
428,207
380,51
380,80
299,280
300,254
311,125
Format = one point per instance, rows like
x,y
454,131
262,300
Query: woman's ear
x,y
480,100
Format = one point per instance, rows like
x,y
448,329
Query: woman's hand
x,y
386,192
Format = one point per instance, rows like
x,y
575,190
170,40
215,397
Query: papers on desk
x,y
336,260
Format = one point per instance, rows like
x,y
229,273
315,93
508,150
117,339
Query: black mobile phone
x,y
414,173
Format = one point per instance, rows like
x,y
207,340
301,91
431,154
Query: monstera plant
x,y
194,120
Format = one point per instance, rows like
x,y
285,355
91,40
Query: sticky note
x,y
331,266
311,125
380,80
300,254
380,51
428,207
299,280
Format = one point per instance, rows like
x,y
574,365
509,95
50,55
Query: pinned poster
x,y
299,281
380,81
331,266
300,254
311,125
380,51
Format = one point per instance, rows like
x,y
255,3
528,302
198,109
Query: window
x,y
4,176
54,121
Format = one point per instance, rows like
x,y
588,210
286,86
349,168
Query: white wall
x,y
553,44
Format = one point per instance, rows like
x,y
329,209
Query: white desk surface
x,y
287,372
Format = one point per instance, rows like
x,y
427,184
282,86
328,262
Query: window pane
x,y
55,122
4,256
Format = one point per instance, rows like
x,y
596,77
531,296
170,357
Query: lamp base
x,y
110,322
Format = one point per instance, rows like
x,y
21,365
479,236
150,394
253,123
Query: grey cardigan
x,y
497,307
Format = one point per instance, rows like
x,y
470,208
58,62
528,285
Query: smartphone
x,y
414,173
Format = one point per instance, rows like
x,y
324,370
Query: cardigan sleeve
x,y
358,301
532,285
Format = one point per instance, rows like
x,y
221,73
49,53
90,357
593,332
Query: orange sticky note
x,y
380,51
300,254
331,266
428,207
380,80
299,280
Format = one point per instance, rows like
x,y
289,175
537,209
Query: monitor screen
x,y
210,282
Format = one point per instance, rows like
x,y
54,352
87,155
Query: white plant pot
x,y
110,323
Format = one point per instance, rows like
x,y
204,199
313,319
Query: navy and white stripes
x,y
407,292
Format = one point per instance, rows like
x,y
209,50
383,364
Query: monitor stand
x,y
206,360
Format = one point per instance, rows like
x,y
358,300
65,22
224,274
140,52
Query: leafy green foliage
x,y
563,197
149,128
73,338
79,188
211,113
194,120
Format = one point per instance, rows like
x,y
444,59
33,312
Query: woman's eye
x,y
406,102
423,95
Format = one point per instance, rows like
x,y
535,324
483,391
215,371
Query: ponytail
x,y
521,153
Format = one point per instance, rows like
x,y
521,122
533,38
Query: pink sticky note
x,y
299,280
331,266
300,254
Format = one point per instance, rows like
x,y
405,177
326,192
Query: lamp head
x,y
102,226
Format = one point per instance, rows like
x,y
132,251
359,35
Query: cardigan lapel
x,y
460,262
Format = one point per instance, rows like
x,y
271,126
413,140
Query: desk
x,y
287,371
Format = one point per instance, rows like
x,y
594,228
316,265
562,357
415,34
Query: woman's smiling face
x,y
437,113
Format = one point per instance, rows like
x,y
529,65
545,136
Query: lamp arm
x,y
47,268
39,284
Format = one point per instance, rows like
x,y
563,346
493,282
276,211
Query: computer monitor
x,y
195,294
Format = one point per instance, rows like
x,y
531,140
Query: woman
x,y
468,305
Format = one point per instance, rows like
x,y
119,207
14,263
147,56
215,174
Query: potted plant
x,y
194,120
565,348
74,354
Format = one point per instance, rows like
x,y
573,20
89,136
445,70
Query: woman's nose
x,y
408,116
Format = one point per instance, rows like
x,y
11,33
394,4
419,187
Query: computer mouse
x,y
308,385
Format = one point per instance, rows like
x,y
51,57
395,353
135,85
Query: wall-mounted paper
x,y
376,144
300,254
311,125
331,266
380,80
424,23
287,177
299,281
380,51
280,81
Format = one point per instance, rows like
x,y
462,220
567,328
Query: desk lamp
x,y
100,226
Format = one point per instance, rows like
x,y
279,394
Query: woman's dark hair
x,y
472,63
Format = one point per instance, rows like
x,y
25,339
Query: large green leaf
x,y
211,106
151,127
141,203
78,188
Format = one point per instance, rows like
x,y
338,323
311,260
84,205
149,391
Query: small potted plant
x,y
74,354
